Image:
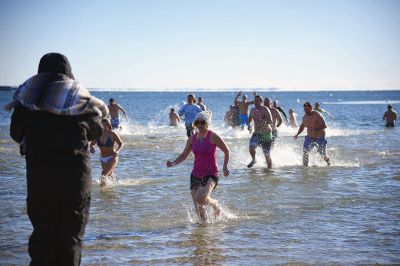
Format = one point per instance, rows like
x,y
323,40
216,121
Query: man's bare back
x,y
390,116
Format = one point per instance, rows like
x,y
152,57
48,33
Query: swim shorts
x,y
389,124
115,123
310,143
195,182
263,139
189,130
244,120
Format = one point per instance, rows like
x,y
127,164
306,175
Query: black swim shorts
x,y
195,182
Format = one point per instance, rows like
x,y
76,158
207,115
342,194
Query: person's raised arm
x,y
182,157
222,146
237,96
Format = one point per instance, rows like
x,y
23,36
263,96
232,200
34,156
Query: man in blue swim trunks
x,y
114,113
315,124
243,110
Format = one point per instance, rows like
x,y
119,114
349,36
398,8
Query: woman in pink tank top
x,y
204,177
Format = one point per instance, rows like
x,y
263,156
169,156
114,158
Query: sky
x,y
216,44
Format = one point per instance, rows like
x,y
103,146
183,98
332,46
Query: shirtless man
x,y
174,119
243,110
390,116
229,116
262,131
276,119
200,103
114,109
315,124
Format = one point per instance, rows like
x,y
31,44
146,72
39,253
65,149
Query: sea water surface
x,y
345,214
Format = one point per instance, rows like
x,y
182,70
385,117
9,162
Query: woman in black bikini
x,y
109,156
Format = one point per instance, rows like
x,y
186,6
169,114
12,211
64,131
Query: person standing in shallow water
x,y
109,156
390,116
315,124
57,117
201,104
174,119
204,176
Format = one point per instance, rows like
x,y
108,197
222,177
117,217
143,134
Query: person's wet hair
x,y
389,106
112,100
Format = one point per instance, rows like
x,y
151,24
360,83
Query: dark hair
x,y
55,63
389,106
258,96
193,97
307,104
112,100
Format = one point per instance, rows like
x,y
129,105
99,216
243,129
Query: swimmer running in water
x,y
315,124
114,109
262,134
109,156
204,176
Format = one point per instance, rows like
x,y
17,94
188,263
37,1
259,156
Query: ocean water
x,y
345,214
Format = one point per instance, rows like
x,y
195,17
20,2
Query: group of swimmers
x,y
266,117
203,142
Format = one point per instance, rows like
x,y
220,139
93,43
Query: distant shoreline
x,y
7,88
12,88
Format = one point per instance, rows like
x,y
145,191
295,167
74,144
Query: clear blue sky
x,y
149,44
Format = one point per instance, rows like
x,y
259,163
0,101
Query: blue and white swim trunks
x,y
310,143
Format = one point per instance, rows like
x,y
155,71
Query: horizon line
x,y
11,87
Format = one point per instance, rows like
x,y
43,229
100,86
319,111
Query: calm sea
x,y
348,213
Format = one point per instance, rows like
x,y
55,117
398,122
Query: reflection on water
x,y
205,241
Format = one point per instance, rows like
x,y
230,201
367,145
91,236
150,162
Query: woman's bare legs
x,y
201,197
108,168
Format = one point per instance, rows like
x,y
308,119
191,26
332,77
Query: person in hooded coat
x,y
55,118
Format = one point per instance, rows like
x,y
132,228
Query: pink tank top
x,y
204,151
